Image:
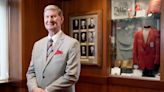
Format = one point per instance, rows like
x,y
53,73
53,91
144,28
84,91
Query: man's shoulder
x,y
42,40
71,39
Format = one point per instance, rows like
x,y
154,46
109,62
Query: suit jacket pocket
x,y
59,58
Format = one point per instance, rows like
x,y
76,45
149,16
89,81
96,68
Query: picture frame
x,y
86,27
122,9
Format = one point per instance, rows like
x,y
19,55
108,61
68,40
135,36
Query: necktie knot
x,y
50,40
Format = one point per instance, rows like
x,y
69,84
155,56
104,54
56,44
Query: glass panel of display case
x,y
135,38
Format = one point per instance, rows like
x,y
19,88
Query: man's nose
x,y
49,19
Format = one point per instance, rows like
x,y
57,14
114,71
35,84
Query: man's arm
x,y
31,77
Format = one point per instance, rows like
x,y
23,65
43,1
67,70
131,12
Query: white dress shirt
x,y
55,37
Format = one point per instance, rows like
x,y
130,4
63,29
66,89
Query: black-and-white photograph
x,y
75,24
91,50
83,50
91,23
76,35
83,37
91,36
83,23
85,29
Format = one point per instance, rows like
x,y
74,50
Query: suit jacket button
x,y
43,77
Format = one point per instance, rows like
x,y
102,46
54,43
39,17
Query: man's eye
x,y
47,16
53,16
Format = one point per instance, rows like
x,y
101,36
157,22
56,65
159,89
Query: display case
x,y
135,38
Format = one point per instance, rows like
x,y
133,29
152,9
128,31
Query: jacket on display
x,y
146,54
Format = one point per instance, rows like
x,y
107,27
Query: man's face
x,y
76,22
83,48
83,35
75,35
83,23
92,48
92,21
52,20
90,34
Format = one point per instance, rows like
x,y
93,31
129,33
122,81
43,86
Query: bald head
x,y
55,8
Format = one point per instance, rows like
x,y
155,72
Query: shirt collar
x,y
55,37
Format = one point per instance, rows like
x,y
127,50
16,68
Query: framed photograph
x,y
76,24
87,29
123,9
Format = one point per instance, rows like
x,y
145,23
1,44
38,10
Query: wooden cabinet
x,y
27,27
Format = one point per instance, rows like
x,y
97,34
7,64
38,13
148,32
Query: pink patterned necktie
x,y
49,47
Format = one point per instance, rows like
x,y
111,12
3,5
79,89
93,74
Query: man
x,y
91,50
83,24
83,37
76,36
90,36
56,70
75,24
92,23
83,50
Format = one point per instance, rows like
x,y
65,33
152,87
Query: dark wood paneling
x,y
92,84
15,55
27,27
88,82
118,84
136,82
33,27
118,88
7,87
33,30
80,6
162,42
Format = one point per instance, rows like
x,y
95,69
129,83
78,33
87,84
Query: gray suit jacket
x,y
60,71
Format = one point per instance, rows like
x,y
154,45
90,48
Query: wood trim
x,y
162,42
19,83
133,82
93,80
123,81
5,82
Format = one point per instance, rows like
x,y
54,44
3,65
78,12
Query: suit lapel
x,y
44,51
55,48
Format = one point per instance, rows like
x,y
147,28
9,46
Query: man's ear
x,y
62,20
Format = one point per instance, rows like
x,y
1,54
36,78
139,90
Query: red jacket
x,y
146,54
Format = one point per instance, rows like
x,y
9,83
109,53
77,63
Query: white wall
x,y
3,40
